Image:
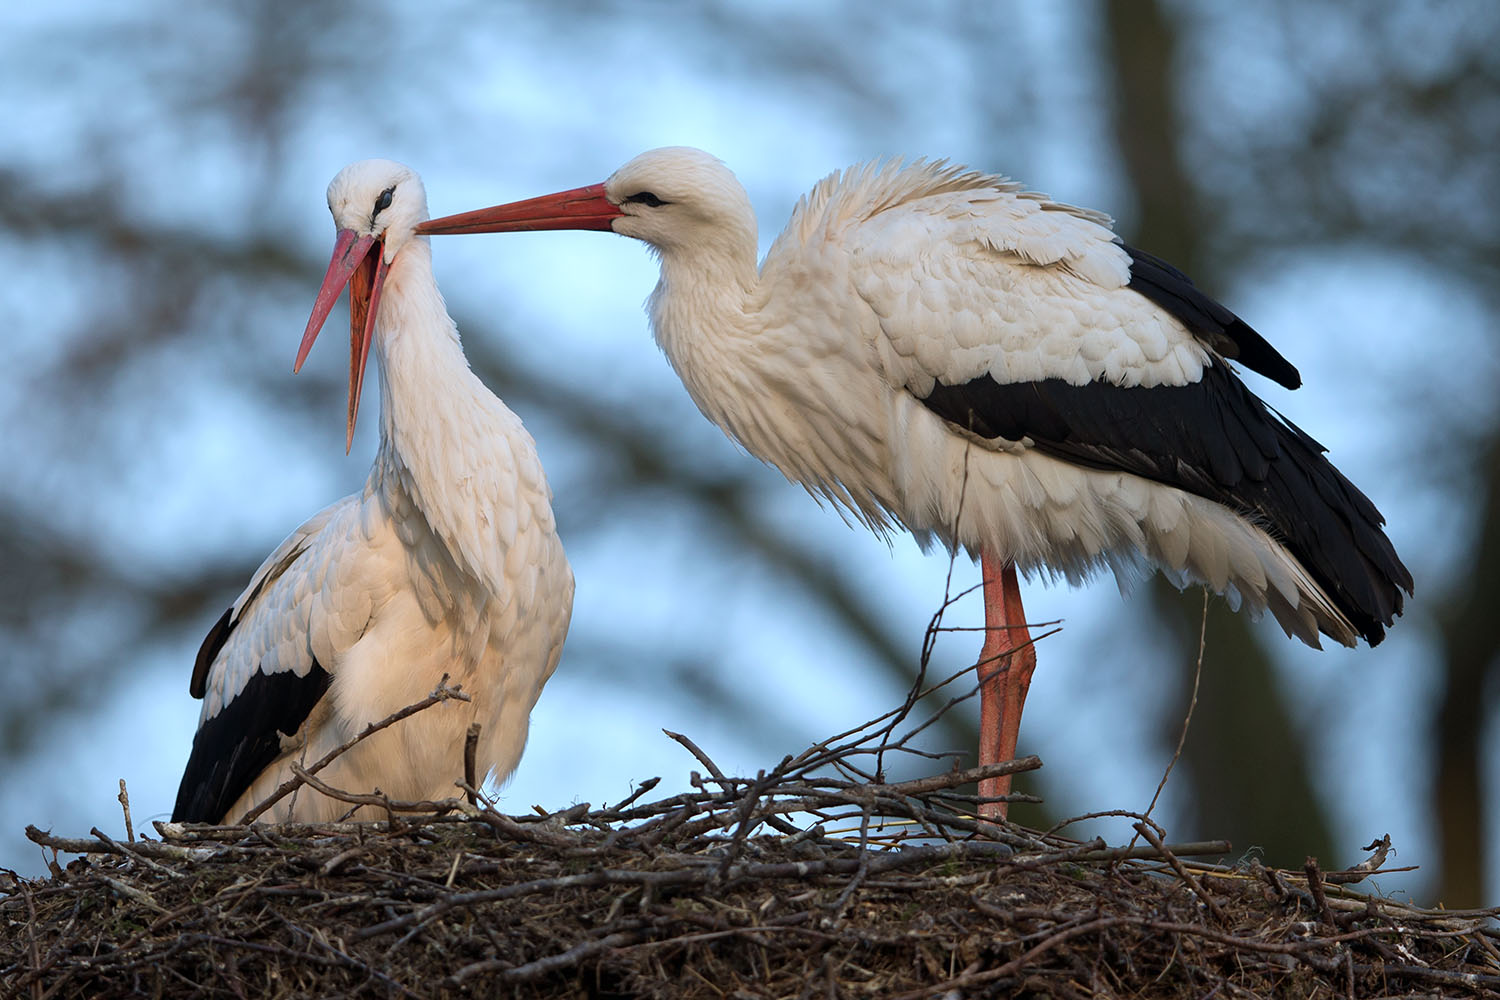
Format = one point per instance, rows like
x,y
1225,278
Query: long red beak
x,y
354,265
580,208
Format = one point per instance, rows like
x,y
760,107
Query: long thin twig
x,y
140,849
441,693
130,850
376,798
1187,716
1144,829
697,752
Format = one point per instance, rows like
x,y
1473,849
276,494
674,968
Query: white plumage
x,y
448,561
939,349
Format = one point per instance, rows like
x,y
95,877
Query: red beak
x,y
364,273
580,208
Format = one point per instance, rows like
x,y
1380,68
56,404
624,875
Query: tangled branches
x,y
815,878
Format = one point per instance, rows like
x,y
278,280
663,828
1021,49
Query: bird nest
x,y
817,878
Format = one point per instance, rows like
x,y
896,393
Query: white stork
x,y
940,349
448,561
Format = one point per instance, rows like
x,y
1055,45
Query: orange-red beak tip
x,y
352,265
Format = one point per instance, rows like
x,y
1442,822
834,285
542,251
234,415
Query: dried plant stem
x,y
439,694
1187,717
125,805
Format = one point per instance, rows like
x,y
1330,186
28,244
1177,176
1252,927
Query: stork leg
x,y
1005,666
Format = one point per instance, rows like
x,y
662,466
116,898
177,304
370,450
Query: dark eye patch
x,y
384,201
648,199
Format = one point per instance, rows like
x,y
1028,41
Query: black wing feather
x,y
1206,319
234,747
209,651
1213,438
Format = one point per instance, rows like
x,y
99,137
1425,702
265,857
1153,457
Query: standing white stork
x,y
937,348
447,562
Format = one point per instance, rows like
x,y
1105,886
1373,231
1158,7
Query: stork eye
x,y
384,201
648,199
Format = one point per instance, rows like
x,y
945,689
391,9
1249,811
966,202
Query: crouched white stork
x,y
940,349
447,562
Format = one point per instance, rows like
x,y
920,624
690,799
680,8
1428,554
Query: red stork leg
x,y
1005,666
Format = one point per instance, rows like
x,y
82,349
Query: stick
x,y
141,849
36,954
125,804
1192,849
920,786
1369,866
693,749
1208,901
131,853
132,893
471,753
1192,704
1315,886
542,966
376,798
440,693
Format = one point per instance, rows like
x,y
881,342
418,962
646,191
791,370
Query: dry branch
x,y
443,692
801,881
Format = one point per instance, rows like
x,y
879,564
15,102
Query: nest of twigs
x,y
817,879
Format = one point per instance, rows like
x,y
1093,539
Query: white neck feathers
x,y
449,447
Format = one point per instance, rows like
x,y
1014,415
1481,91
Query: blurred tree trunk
x,y
1245,763
1471,644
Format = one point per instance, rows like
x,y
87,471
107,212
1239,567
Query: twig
x,y
1196,848
542,966
861,873
1315,886
35,951
332,864
140,849
744,816
471,753
697,752
524,832
130,852
132,893
440,693
376,798
951,779
1145,830
1369,866
640,790
1192,704
125,805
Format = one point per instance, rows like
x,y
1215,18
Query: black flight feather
x,y
1206,319
1215,439
234,747
212,643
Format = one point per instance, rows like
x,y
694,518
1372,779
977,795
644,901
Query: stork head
x,y
376,205
674,198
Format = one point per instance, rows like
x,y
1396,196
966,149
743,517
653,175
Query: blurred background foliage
x,y
1327,169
